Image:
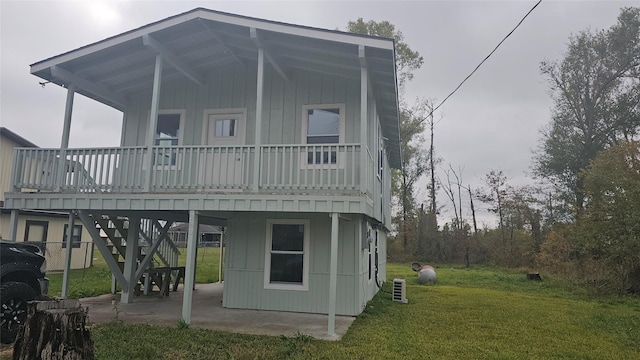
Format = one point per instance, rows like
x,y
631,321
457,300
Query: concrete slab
x,y
208,313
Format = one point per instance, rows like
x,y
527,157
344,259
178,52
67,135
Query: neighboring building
x,y
45,227
284,134
209,236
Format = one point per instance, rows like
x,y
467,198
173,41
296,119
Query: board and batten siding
x,y
234,87
244,268
368,287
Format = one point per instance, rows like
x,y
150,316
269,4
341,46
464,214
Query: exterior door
x,y
226,158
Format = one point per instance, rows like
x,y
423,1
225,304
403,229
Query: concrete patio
x,y
208,313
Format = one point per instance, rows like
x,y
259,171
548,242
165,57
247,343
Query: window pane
x,y
225,127
168,126
286,268
323,122
36,233
287,237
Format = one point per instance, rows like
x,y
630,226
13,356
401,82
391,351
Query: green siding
x,y
244,273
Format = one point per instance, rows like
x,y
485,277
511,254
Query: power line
x,y
477,67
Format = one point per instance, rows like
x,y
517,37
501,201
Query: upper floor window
x,y
380,159
323,125
168,133
223,127
168,130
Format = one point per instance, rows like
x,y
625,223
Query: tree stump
x,y
54,330
534,276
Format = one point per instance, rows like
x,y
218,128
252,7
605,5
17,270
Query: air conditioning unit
x,y
399,291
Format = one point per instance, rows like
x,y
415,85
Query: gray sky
x,y
492,122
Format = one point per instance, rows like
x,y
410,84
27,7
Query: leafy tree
x,y
610,223
496,196
407,60
596,89
413,167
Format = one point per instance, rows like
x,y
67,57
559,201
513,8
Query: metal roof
x,y
201,40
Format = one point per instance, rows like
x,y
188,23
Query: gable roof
x,y
200,40
16,138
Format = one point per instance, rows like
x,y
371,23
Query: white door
x,y
225,159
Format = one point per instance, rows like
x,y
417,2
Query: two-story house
x,y
284,134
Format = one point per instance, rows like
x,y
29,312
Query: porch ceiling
x,y
199,41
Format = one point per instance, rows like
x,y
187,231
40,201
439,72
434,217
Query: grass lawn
x,y
477,313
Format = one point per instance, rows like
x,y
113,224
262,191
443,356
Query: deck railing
x,y
190,168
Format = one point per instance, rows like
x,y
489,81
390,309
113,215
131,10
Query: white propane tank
x,y
426,273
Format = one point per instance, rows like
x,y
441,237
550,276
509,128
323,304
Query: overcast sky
x,y
492,122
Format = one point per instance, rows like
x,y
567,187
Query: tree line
x,y
581,219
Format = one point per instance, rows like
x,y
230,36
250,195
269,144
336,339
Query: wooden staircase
x,y
115,232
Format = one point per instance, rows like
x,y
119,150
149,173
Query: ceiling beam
x,y
267,54
173,59
118,101
226,48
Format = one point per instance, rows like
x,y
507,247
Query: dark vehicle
x,y
22,270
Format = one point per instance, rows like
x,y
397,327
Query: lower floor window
x,y
287,254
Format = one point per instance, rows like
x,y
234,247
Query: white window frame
x,y
182,113
340,161
305,258
239,114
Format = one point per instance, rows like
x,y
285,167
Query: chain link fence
x,y
56,253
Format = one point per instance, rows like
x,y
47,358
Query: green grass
x,y
96,280
476,313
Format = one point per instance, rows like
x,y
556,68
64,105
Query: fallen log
x,y
54,330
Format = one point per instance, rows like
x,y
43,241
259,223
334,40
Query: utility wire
x,y
477,67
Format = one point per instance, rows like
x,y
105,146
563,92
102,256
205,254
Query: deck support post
x,y
130,260
364,83
66,130
221,260
67,259
13,225
153,120
258,128
333,275
190,269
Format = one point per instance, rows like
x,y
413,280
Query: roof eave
x,y
323,34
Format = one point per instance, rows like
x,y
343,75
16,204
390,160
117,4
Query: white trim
x,y
340,161
305,261
240,114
